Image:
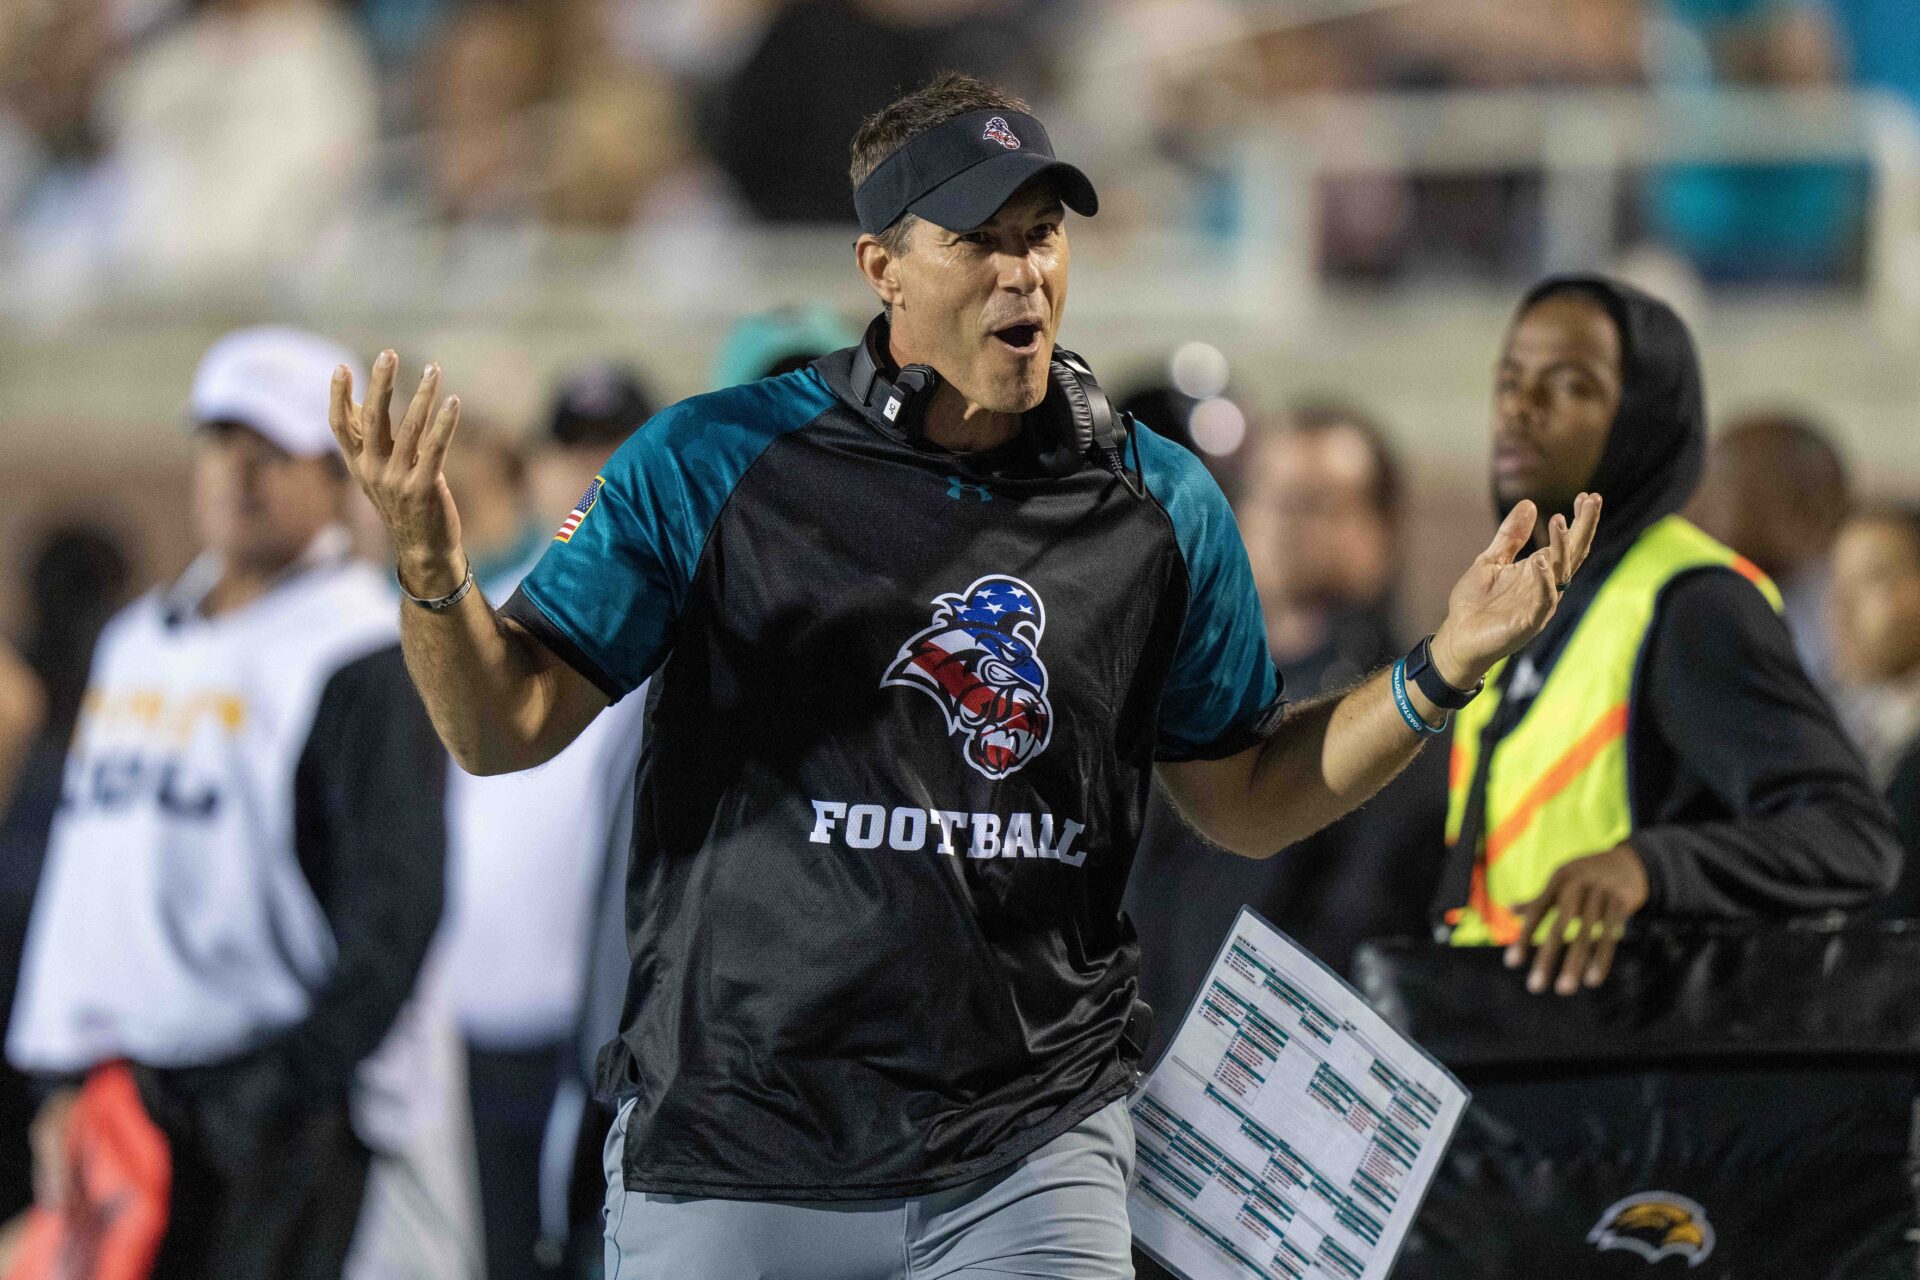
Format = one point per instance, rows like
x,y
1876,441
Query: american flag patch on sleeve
x,y
580,509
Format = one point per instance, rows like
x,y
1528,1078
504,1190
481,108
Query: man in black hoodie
x,y
1658,746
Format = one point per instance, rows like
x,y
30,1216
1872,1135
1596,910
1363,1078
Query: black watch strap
x,y
1420,670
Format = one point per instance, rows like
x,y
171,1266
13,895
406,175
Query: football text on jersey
x,y
954,832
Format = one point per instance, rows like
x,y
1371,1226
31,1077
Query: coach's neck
x,y
956,423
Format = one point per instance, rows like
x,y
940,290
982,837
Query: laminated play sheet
x,y
1289,1133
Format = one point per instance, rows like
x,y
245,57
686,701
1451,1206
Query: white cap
x,y
275,380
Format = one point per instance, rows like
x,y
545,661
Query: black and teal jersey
x,y
904,715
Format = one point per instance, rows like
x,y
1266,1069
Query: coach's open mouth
x,y
1022,339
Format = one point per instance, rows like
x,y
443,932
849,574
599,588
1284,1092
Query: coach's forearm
x,y
1328,756
490,688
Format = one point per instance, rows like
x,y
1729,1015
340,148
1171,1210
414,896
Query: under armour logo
x,y
956,486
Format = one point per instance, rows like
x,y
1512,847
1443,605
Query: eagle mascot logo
x,y
1655,1225
980,660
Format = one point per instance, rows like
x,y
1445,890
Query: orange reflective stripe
x,y
1555,780
1503,926
1456,766
1749,570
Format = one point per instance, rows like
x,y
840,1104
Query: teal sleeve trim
x,y
1223,693
615,580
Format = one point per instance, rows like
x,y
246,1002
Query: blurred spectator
x,y
784,117
1658,747
1791,223
78,577
595,407
699,41
54,195
52,55
498,525
1320,515
1876,649
770,343
1776,491
528,853
624,155
1190,401
1163,407
486,72
1321,520
1506,43
23,711
244,879
238,138
624,159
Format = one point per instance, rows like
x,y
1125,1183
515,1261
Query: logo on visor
x,y
980,661
1000,131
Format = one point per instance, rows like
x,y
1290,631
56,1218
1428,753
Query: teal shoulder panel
x,y
618,574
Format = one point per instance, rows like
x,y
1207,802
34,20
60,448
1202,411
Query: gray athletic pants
x,y
1060,1213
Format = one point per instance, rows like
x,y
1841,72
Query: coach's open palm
x,y
399,469
1501,603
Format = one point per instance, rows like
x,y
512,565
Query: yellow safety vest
x,y
1557,786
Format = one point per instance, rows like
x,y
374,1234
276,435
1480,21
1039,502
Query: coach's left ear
x,y
880,267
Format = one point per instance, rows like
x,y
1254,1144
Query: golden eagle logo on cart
x,y
1655,1225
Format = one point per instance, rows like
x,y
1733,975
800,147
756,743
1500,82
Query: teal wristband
x,y
1407,709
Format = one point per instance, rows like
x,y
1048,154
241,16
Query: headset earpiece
x,y
1082,420
900,403
906,403
1066,417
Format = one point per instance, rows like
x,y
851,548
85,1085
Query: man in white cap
x,y
245,878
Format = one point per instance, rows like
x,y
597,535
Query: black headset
x,y
1077,424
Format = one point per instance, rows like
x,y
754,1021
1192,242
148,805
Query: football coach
x,y
925,621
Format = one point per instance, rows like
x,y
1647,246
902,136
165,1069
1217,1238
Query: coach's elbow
x,y
481,766
1242,839
495,764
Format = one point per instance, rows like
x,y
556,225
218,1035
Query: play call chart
x,y
1289,1133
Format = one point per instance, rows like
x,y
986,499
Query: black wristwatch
x,y
1421,671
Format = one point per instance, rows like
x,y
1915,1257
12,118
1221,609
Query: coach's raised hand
x,y
399,469
1501,602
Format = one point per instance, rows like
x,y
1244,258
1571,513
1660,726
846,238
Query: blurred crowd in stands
x,y
206,141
